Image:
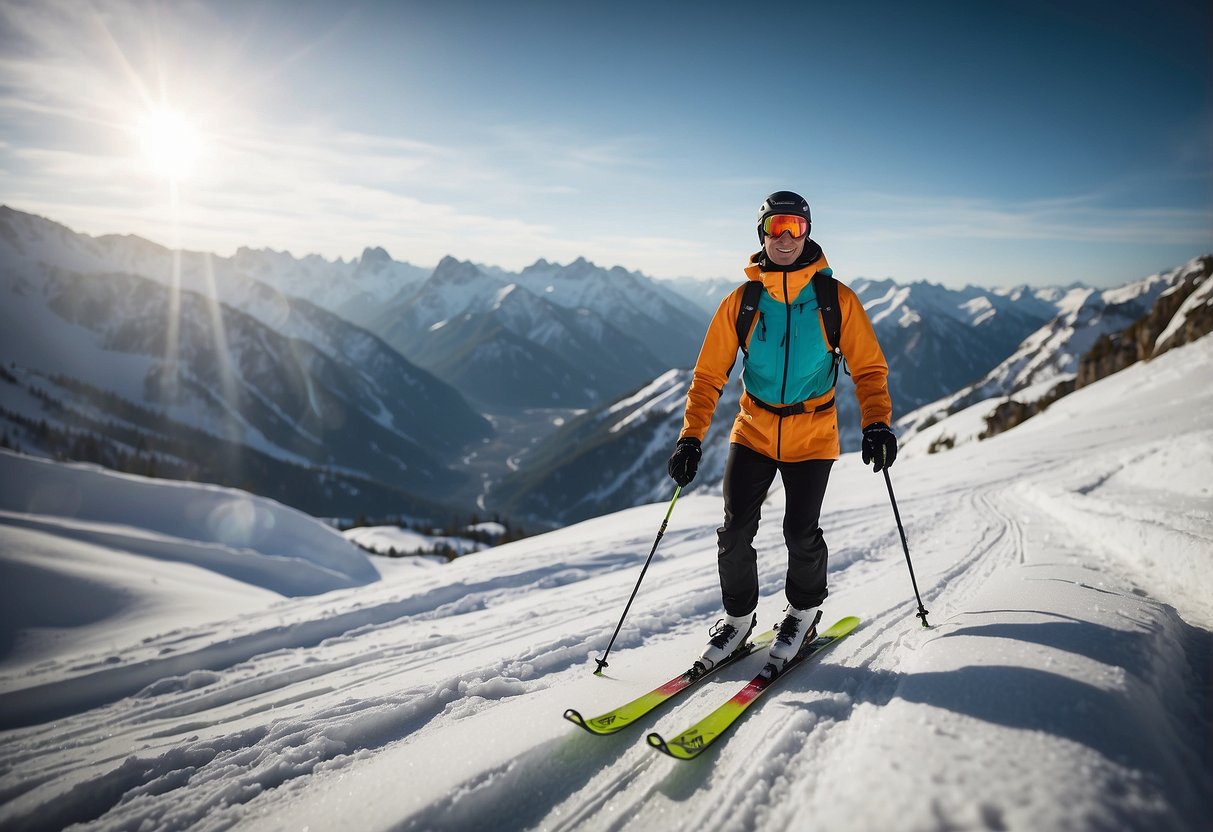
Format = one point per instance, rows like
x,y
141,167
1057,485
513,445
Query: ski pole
x,y
603,661
922,612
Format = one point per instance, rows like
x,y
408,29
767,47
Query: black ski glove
x,y
879,446
684,462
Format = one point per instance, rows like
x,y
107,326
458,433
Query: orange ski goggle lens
x,y
776,224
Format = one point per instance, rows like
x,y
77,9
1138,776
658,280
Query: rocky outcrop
x,y
1180,315
1172,322
1011,412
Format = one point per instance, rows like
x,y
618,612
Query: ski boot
x,y
798,628
727,637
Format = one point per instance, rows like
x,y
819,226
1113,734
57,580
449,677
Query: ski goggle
x,y
776,224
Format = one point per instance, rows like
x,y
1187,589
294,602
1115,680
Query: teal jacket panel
x,y
788,337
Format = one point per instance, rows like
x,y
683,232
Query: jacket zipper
x,y
787,359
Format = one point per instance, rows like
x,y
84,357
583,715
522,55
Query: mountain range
x,y
126,352
144,348
1098,333
615,456
551,335
554,391
1052,353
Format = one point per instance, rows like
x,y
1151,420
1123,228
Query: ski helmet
x,y
784,202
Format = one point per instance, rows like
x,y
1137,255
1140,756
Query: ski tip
x,y
842,626
679,751
599,726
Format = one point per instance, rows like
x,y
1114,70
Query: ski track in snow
x,y
799,730
432,699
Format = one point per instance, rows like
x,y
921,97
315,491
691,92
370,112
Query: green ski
x,y
690,743
625,715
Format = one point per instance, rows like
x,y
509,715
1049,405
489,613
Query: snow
x,y
963,426
894,299
981,310
250,539
502,294
491,527
1051,354
1063,684
1203,296
908,318
91,583
671,401
383,539
657,387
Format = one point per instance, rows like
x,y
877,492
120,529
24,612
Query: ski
x,y
623,716
690,743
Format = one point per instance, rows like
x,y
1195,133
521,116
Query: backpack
x,y
826,289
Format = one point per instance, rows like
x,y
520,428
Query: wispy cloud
x,y
261,182
77,83
282,169
1080,218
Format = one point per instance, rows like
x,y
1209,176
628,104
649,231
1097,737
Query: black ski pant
x,y
747,477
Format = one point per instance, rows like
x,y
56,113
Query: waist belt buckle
x,y
791,409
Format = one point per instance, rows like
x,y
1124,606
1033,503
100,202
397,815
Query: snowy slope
x,y
385,540
1066,565
260,542
1193,315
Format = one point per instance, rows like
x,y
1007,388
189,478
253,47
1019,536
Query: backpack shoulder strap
x,y
826,288
745,315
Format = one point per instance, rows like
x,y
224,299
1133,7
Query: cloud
x,y
878,217
277,170
77,84
77,78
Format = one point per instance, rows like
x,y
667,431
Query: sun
x,y
170,143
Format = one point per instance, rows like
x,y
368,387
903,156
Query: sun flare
x,y
170,143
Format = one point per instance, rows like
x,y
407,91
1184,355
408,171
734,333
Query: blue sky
x,y
989,143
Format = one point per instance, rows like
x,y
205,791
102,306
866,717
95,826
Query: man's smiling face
x,y
785,249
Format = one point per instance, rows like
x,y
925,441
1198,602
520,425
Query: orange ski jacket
x,y
812,434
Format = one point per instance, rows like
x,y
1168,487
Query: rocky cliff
x,y
1180,315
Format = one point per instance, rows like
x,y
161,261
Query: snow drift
x,y
248,538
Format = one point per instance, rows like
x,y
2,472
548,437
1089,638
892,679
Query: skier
x,y
787,421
